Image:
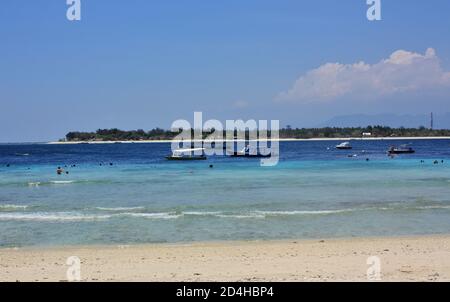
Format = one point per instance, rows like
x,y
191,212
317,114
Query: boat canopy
x,y
188,150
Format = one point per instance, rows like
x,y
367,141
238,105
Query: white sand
x,y
280,140
402,259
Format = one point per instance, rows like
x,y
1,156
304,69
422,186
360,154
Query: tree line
x,y
285,133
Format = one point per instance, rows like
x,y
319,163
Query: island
x,y
286,133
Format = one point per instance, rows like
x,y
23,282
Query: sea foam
x,y
12,207
119,209
153,215
58,216
62,182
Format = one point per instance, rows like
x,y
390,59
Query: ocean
x,y
130,194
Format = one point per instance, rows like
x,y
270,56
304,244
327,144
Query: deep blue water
x,y
314,192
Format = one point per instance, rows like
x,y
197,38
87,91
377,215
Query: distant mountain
x,y
441,121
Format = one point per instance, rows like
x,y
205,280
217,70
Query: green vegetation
x,y
120,135
288,132
375,131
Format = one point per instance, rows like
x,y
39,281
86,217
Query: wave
x,y
77,216
269,214
242,216
120,209
412,208
318,212
60,216
438,207
74,217
62,182
194,213
12,207
153,215
53,182
252,215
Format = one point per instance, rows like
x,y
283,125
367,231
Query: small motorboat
x,y
344,146
187,154
403,149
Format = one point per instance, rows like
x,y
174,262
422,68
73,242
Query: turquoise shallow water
x,y
314,192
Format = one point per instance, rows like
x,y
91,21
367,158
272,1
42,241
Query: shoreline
x,y
405,258
279,140
216,242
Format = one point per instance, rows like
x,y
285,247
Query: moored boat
x,y
344,146
187,154
403,149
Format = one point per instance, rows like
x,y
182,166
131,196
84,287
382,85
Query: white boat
x,y
344,146
187,154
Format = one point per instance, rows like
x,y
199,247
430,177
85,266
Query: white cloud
x,y
401,73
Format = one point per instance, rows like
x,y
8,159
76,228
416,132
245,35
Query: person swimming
x,y
59,171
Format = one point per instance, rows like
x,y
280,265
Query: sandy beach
x,y
401,259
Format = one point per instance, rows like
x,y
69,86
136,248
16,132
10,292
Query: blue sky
x,y
142,64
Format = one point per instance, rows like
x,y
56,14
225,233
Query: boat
x,y
403,149
246,153
187,154
344,146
